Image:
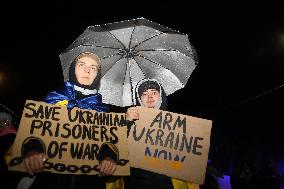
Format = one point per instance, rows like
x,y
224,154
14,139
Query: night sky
x,y
237,84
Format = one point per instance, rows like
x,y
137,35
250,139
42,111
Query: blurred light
x,y
224,183
209,161
280,166
2,78
281,40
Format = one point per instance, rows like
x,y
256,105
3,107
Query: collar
x,y
85,91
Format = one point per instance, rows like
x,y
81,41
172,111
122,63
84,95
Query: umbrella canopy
x,y
132,50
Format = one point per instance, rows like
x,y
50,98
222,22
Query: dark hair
x,y
151,84
148,85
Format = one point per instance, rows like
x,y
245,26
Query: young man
x,y
80,91
150,94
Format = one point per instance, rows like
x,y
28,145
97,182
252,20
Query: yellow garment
x,y
115,183
177,184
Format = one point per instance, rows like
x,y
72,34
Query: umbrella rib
x,y
116,39
131,36
105,47
109,56
140,68
115,63
152,62
147,40
130,77
88,45
125,74
168,50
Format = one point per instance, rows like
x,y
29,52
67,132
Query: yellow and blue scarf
x,y
67,97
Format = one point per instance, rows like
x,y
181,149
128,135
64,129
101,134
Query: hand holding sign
x,y
132,114
107,167
172,144
72,140
34,162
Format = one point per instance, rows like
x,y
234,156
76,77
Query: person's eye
x,y
93,68
81,65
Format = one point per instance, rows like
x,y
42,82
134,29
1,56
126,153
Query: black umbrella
x,y
132,50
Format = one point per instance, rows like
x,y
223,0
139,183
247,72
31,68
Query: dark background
x,y
237,84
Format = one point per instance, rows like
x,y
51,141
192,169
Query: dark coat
x,y
142,179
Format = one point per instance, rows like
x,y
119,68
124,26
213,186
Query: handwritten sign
x,y
71,138
172,144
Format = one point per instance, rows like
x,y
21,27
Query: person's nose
x,y
150,95
87,69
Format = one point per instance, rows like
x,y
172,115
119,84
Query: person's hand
x,y
107,167
132,114
34,162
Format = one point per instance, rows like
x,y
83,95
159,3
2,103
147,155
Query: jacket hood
x,y
146,84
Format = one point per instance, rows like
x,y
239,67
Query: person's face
x,y
86,70
150,98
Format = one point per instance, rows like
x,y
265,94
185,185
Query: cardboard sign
x,y
171,144
72,139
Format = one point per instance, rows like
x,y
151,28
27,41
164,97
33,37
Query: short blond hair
x,y
90,55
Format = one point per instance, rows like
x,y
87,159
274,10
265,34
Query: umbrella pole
x,y
132,88
133,96
128,98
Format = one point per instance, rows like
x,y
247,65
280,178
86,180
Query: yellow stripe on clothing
x,y
179,184
62,103
117,183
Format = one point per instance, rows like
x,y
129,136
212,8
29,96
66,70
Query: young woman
x,y
79,91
